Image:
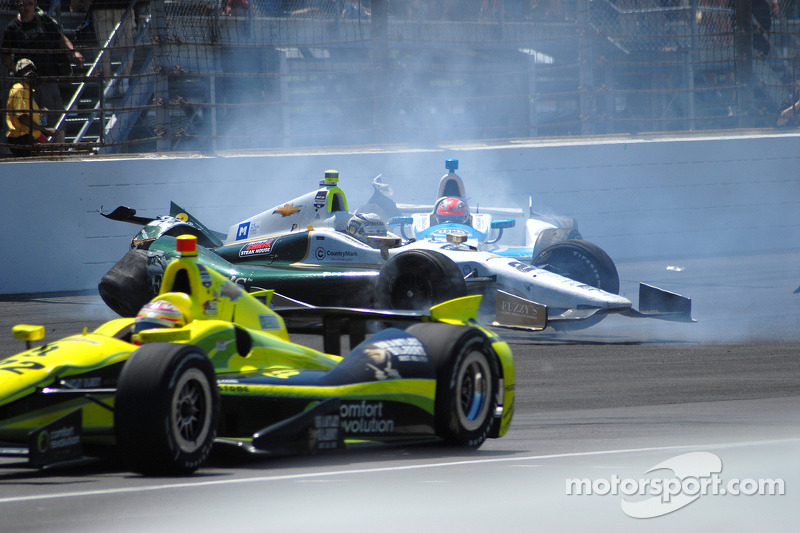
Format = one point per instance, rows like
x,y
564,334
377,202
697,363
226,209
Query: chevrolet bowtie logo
x,y
286,210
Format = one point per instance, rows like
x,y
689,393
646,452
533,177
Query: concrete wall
x,y
649,198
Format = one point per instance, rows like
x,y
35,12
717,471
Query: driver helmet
x,y
453,210
171,310
362,225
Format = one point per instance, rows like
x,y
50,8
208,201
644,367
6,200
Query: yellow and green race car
x,y
207,364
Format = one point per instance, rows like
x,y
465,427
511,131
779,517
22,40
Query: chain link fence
x,y
266,74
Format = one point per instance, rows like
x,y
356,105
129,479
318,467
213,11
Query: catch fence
x,y
211,75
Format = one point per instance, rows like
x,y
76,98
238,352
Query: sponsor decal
x,y
406,349
336,255
518,309
282,373
205,277
443,232
183,217
231,290
521,266
58,441
222,345
233,388
242,282
320,199
326,432
256,248
210,308
286,210
511,310
83,383
381,363
269,321
243,231
364,417
83,340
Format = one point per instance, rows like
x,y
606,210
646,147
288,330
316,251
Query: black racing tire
x,y
166,409
467,380
126,287
418,279
552,236
582,261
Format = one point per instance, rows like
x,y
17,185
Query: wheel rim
x,y
191,410
473,391
411,291
576,268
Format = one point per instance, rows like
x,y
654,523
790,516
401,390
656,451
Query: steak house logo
x,y
256,248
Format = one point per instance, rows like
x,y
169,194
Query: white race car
x,y
313,249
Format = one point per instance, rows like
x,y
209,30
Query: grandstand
x,y
320,73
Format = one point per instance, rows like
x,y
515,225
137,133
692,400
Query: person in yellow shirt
x,y
24,124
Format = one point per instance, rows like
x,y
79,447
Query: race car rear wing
x,y
179,214
126,214
333,322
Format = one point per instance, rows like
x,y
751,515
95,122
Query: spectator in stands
x,y
353,9
762,11
80,6
790,115
237,8
489,10
23,120
106,15
36,36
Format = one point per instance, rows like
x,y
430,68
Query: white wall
x,y
635,198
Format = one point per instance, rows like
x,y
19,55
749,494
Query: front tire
x,y
166,409
466,383
582,261
418,279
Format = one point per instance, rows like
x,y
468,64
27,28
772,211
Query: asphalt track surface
x,y
603,405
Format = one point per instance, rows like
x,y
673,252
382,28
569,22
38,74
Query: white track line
x,y
263,479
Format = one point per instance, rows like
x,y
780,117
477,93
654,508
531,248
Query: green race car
x,y
207,364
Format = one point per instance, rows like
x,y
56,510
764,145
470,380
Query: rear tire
x,y
166,409
418,279
466,381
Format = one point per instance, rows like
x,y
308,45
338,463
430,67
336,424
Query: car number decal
x,y
17,367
